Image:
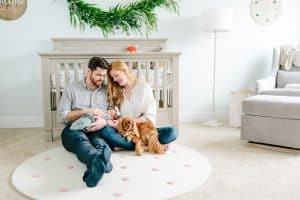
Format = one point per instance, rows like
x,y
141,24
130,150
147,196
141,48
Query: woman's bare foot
x,y
117,148
166,146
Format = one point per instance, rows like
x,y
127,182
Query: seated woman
x,y
135,99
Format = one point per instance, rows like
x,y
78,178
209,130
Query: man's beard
x,y
96,83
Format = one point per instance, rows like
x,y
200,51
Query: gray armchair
x,y
279,77
273,115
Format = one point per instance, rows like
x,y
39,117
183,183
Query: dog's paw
x,y
139,151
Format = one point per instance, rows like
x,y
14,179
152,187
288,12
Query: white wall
x,y
244,54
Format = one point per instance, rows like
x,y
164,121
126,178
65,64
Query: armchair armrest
x,y
265,84
282,92
292,86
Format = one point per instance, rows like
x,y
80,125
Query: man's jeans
x,y
91,150
114,139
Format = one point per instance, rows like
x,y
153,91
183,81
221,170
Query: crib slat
x,y
147,66
152,74
67,73
56,67
143,71
81,72
134,69
156,82
85,67
130,65
170,84
52,86
165,83
170,98
76,71
139,75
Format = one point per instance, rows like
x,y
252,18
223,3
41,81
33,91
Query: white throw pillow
x,y
296,59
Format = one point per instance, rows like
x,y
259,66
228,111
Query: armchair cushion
x,y
287,77
272,106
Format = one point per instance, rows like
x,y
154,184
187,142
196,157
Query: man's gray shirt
x,y
78,96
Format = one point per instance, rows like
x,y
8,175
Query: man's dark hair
x,y
98,62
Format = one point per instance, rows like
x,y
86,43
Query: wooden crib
x,y
69,64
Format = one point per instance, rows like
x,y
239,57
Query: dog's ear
x,y
135,129
120,126
132,123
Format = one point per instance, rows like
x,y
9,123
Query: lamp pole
x,y
214,21
214,75
213,122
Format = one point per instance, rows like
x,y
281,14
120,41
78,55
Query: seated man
x,y
87,97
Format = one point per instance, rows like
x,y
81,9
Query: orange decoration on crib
x,y
132,48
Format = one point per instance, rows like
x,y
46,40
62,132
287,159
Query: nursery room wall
x,y
243,54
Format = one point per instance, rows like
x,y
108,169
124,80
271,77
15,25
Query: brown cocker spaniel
x,y
142,134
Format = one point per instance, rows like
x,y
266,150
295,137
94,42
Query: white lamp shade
x,y
217,19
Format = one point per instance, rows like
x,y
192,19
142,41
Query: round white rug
x,y
57,174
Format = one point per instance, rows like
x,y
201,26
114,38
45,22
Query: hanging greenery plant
x,y
137,17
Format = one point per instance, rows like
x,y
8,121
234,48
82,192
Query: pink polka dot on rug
x,y
170,182
124,167
187,165
63,189
156,169
125,179
70,167
117,194
57,175
36,176
47,158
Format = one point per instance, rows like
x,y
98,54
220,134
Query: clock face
x,y
265,12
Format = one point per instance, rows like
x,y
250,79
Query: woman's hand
x,y
113,123
112,114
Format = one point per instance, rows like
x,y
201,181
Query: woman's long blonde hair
x,y
115,91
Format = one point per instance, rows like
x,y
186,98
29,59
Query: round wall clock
x,y
265,12
12,9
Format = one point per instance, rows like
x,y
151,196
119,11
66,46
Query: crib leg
x,y
49,136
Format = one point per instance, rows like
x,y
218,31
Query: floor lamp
x,y
215,21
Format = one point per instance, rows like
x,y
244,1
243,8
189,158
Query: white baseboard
x,y
185,117
37,121
21,121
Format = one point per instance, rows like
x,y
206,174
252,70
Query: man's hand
x,y
97,125
95,112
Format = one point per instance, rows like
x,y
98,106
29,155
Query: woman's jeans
x,y
114,139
